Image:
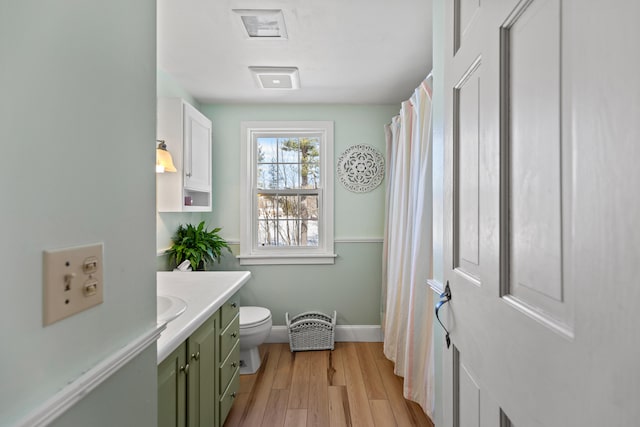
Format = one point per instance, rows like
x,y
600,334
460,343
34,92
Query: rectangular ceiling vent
x,y
263,23
276,77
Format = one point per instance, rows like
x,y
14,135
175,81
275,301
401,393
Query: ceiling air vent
x,y
263,23
276,77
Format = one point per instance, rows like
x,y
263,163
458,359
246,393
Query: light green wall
x,y
352,285
118,401
167,223
77,122
356,215
168,87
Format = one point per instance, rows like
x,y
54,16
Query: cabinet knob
x,y
234,335
234,305
188,174
185,369
195,356
233,395
234,365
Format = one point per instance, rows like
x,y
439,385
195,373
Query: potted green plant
x,y
198,245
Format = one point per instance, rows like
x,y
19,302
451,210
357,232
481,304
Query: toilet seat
x,y
253,316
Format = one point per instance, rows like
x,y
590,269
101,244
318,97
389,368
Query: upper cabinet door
x,y
197,138
187,134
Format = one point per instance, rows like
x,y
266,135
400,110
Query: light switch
x,y
90,265
90,288
72,281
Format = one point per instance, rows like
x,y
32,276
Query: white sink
x,y
169,307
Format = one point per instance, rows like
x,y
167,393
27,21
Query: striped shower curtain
x,y
407,300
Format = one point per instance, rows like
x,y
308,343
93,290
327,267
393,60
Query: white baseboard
x,y
344,333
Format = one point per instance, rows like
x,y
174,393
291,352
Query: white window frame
x,y
250,252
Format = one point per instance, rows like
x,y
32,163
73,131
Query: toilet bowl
x,y
255,327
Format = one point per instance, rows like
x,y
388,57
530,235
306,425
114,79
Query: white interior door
x,y
542,213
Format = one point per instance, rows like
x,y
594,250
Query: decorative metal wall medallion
x,y
361,168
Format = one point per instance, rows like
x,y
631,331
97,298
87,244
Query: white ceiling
x,y
347,51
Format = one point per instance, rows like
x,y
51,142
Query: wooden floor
x,y
353,385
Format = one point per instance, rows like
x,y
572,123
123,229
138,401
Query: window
x,y
287,200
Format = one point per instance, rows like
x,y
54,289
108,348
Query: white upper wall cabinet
x,y
187,133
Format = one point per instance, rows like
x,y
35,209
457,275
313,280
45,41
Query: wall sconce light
x,y
164,162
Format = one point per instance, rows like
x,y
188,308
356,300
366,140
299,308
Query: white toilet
x,y
255,327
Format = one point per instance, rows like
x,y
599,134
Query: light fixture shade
x,y
164,162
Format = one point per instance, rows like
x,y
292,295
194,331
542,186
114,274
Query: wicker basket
x,y
311,330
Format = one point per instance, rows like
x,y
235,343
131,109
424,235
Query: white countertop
x,y
204,292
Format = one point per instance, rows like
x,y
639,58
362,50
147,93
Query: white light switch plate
x,y
72,281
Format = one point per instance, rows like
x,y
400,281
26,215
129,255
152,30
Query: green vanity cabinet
x,y
187,381
229,356
172,389
201,379
198,382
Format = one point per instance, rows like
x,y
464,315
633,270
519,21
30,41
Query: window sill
x,y
283,259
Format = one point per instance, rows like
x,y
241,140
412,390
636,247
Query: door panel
x,y
469,400
535,143
467,409
534,164
465,12
466,153
474,407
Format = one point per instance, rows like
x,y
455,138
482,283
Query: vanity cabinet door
x,y
172,377
201,351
